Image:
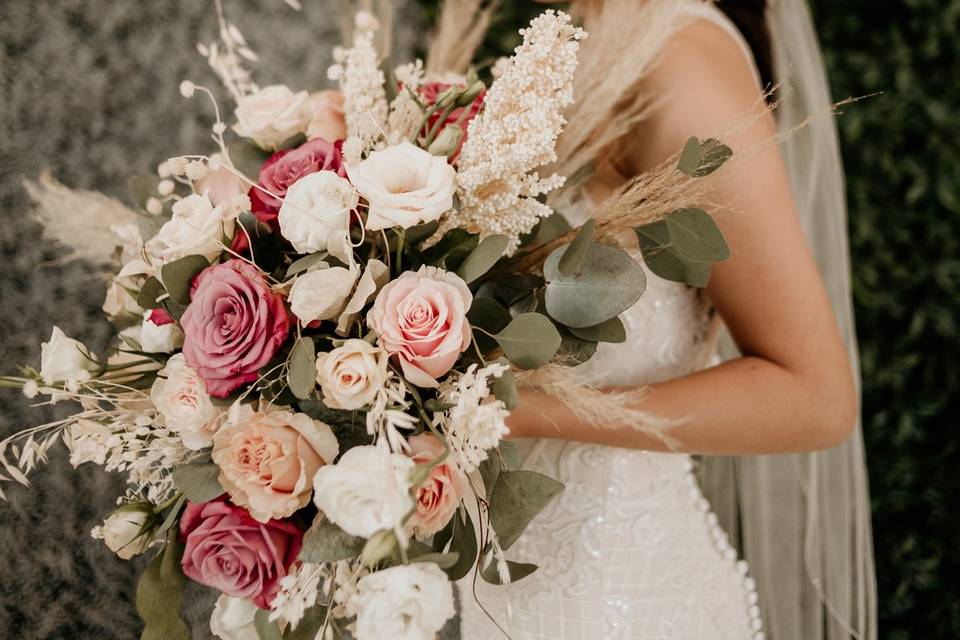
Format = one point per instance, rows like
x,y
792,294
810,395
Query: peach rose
x,y
328,121
439,496
267,461
421,318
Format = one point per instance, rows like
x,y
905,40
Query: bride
x,y
632,548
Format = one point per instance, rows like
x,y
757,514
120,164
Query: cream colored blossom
x,y
361,81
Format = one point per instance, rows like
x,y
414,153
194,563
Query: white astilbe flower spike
x,y
388,415
476,423
299,590
405,113
357,69
516,132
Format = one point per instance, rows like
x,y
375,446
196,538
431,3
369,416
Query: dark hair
x,y
750,18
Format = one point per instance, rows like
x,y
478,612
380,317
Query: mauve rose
x,y
233,325
440,494
228,550
285,167
421,318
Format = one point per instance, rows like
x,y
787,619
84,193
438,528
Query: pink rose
x,y
233,325
439,496
228,550
285,167
328,121
221,185
267,461
421,318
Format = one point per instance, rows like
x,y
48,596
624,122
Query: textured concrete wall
x,y
88,89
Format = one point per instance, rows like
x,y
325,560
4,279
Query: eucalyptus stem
x,y
401,237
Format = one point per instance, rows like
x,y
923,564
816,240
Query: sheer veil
x,y
804,520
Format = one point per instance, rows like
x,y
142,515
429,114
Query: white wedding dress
x,y
630,549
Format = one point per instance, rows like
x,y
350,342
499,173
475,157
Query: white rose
x,y
180,396
351,374
272,115
196,228
155,338
120,531
63,359
321,294
366,491
315,207
404,185
406,602
232,619
119,302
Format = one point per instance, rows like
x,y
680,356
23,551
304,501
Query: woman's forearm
x,y
748,405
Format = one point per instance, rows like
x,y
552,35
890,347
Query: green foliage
x,y
302,374
903,185
326,542
198,482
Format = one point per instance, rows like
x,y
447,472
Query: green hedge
x,y
903,177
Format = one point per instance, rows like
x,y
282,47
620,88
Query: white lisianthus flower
x,y
407,602
63,359
272,115
316,206
232,619
375,275
321,294
352,374
120,531
180,395
368,490
196,228
404,185
119,302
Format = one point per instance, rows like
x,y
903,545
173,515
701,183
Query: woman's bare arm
x,y
792,390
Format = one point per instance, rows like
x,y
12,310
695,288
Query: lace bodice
x,y
630,549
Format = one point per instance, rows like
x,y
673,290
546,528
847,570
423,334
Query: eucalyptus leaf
x,y
159,594
666,261
302,372
489,315
516,500
247,157
575,351
610,331
482,258
266,630
694,234
576,252
463,541
489,472
171,519
326,542
149,292
304,263
309,626
511,453
517,570
529,341
504,388
699,159
549,228
199,482
442,560
292,142
608,283
178,275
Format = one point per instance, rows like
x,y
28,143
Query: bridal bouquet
x,y
320,339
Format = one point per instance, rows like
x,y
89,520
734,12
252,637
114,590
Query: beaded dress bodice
x,y
630,549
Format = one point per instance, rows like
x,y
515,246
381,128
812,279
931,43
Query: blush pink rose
x,y
285,167
439,496
228,550
328,120
421,318
233,325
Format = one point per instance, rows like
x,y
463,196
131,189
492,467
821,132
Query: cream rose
x,y
180,395
421,318
316,206
268,460
120,532
351,374
63,359
196,228
321,294
407,602
404,186
328,120
119,302
232,619
440,494
272,115
368,490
